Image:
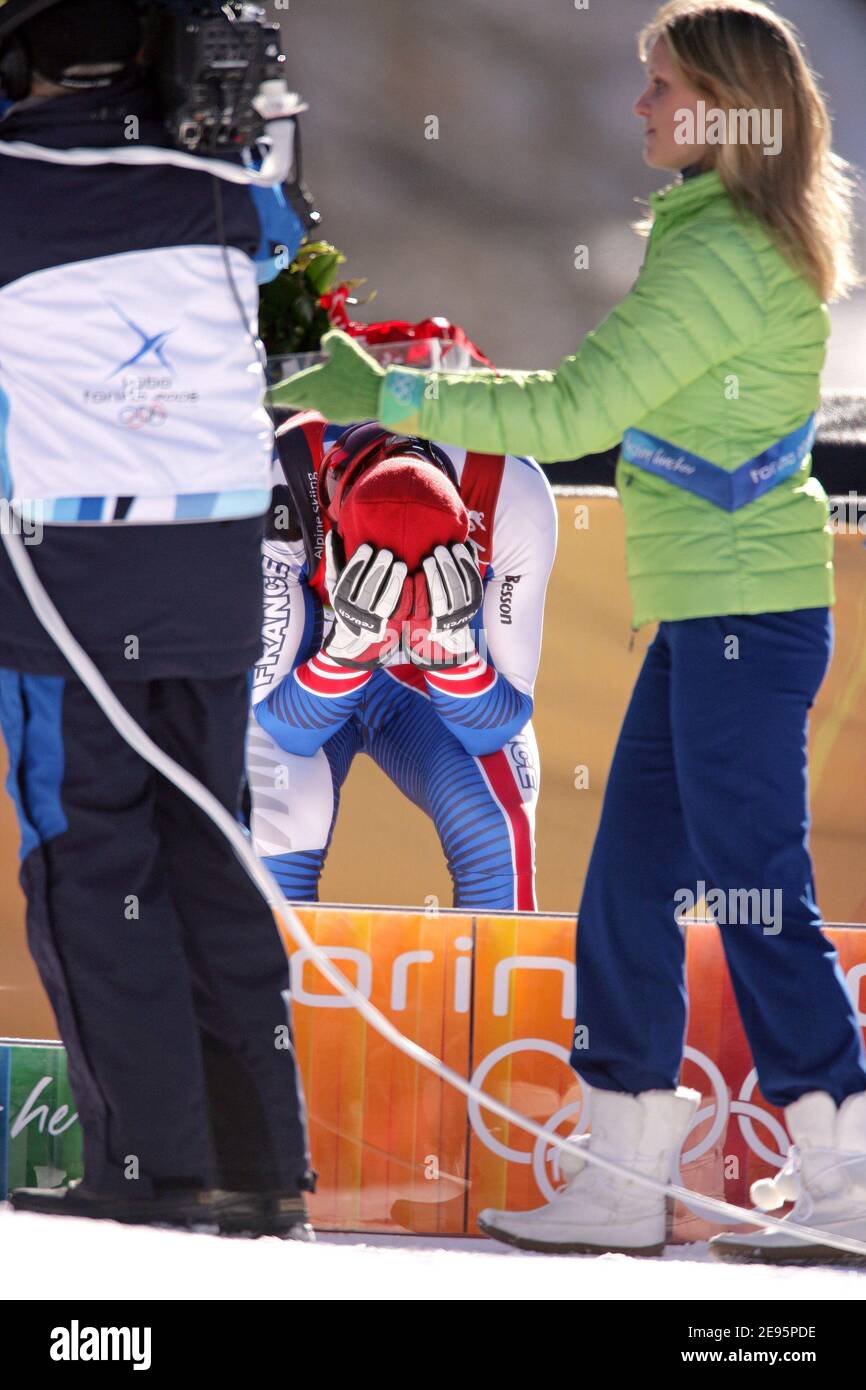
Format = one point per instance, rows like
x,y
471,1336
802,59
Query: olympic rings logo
x,y
138,417
545,1158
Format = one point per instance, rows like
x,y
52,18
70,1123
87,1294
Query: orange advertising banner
x,y
384,1132
398,1150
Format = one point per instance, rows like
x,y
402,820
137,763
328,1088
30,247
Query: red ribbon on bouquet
x,y
397,330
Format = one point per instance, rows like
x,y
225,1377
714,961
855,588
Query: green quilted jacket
x,y
717,350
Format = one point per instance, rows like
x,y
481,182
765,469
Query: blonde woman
x,y
709,371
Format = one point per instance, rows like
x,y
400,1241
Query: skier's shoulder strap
x,y
300,447
480,483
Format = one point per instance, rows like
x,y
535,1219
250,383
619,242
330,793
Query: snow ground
x,y
44,1257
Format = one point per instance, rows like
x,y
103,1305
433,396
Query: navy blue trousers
x,y
163,964
709,785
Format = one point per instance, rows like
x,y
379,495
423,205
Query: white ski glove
x,y
447,597
365,591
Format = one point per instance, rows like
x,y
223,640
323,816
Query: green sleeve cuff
x,y
400,399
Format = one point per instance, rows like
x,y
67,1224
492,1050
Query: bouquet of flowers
x,y
303,302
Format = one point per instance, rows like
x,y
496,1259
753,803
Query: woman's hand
x,y
343,389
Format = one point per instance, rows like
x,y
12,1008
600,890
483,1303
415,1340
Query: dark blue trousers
x,y
709,785
163,964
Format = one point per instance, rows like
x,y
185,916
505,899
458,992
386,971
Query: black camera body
x,y
218,67
209,60
209,64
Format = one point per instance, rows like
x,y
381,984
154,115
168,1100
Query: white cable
x,y
126,726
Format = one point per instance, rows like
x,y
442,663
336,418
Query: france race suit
x,y
457,741
130,392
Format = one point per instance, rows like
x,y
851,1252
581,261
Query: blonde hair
x,y
741,54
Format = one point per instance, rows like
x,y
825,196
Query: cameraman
x,y
131,424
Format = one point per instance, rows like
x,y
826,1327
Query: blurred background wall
x,y
538,151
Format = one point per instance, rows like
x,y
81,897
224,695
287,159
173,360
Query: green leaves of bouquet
x,y
293,308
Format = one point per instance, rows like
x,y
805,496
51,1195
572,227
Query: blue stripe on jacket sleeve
x,y
30,716
281,232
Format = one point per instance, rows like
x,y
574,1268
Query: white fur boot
x,y
596,1212
826,1172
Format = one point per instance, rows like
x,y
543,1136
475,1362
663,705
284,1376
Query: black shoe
x,y
205,1210
256,1214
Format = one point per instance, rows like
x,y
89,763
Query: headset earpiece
x,y
16,72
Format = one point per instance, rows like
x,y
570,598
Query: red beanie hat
x,y
404,505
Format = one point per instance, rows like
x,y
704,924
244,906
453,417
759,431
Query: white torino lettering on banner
x,y
401,964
